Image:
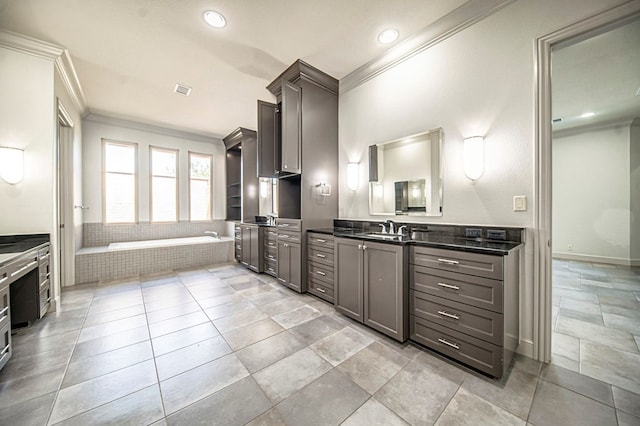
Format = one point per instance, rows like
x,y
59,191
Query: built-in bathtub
x,y
133,258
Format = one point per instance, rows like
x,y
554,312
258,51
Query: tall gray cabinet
x,y
242,176
298,144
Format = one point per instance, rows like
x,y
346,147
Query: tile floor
x,y
226,346
596,321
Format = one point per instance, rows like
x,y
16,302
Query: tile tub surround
x,y
76,365
596,321
100,234
99,264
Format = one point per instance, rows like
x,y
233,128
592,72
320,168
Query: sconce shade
x,y
474,157
11,165
352,176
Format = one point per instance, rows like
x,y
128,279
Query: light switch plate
x,y
520,203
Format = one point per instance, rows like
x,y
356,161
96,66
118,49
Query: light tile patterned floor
x,y
226,346
596,321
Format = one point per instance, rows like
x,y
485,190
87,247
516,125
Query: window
x,y
164,188
200,186
120,190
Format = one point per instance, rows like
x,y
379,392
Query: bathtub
x,y
135,258
169,242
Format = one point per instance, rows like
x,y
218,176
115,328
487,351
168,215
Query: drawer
x,y
320,272
271,255
320,289
289,224
321,256
475,322
5,345
271,234
270,244
481,265
5,302
320,240
474,352
45,299
290,236
476,291
23,266
271,268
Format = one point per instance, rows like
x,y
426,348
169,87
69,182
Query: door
x,y
246,245
295,265
284,262
67,218
291,128
268,143
255,248
348,279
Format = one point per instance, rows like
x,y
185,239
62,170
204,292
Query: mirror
x,y
268,191
405,176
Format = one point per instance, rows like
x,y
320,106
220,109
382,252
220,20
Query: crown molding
x,y
29,45
67,72
598,125
457,20
151,128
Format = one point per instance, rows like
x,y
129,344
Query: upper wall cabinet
x,y
242,177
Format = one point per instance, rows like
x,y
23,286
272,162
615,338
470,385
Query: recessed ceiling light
x,y
181,89
215,19
388,36
588,114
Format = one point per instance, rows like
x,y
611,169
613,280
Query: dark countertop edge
x,y
452,246
20,254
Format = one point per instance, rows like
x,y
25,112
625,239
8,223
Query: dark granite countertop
x,y
14,246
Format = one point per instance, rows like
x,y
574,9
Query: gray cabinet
x,y
371,285
5,317
291,128
251,247
270,251
268,140
290,254
465,305
320,266
44,272
242,176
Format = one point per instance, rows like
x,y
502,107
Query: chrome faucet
x,y
392,226
401,229
213,233
384,228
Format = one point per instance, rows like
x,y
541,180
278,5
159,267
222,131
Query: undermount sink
x,y
382,236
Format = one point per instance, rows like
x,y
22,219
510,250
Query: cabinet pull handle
x,y
284,236
359,246
24,268
5,349
270,270
448,261
4,279
271,257
448,315
321,241
453,345
4,311
453,287
321,273
286,245
321,290
364,247
283,225
322,256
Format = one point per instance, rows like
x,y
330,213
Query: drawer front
x,y
320,288
268,244
481,265
5,345
5,313
289,224
45,300
289,236
271,255
476,322
320,272
270,234
320,241
474,352
321,256
271,267
476,291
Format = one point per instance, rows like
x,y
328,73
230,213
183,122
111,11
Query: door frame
x,y
586,28
65,196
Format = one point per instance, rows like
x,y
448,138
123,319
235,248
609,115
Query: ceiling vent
x,y
556,120
182,89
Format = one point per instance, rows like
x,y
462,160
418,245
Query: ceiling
x,y
130,54
601,75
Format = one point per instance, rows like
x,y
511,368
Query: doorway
x,y
588,269
64,192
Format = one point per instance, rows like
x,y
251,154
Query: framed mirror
x,y
405,176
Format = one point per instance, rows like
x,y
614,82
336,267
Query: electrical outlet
x,y
520,203
473,233
569,247
496,234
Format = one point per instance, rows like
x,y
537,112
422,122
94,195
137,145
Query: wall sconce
x,y
263,188
11,165
325,189
474,157
352,176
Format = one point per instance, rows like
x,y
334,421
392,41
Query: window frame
x,y
210,157
134,145
153,148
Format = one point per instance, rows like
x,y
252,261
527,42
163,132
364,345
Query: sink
x,y
382,236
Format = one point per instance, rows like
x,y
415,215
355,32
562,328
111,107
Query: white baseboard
x,y
618,261
525,348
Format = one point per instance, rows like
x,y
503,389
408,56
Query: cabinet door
x,y
284,255
385,295
348,279
268,140
255,249
246,245
295,266
291,128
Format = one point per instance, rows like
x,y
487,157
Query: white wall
x,y
634,142
591,195
478,82
94,129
